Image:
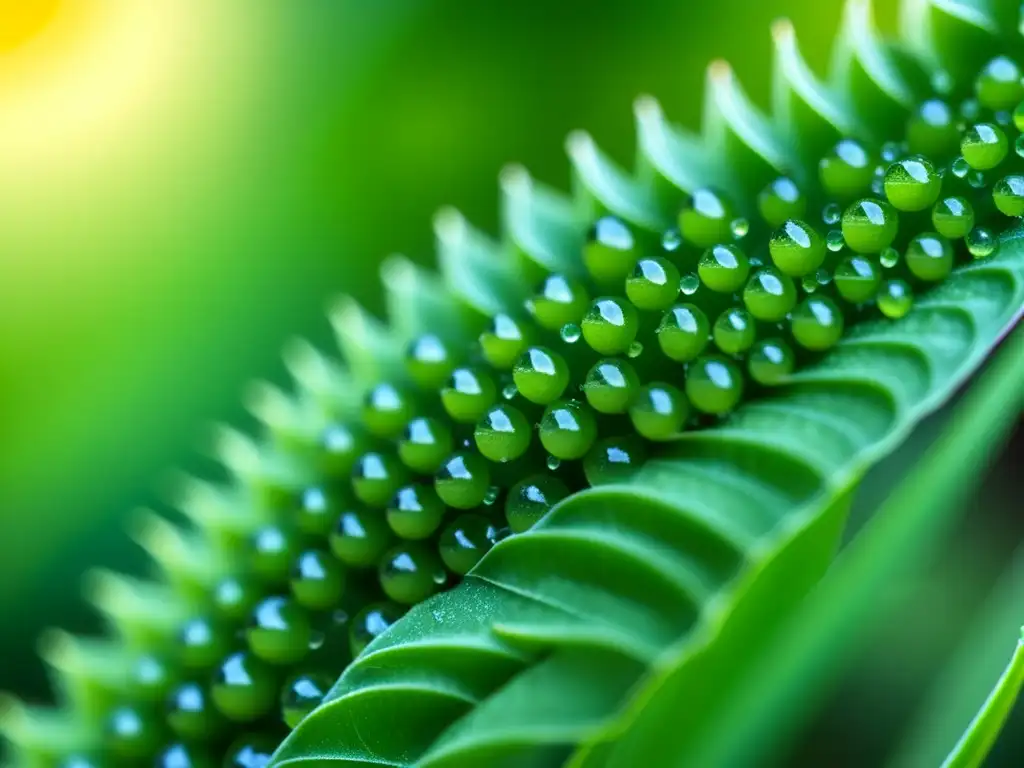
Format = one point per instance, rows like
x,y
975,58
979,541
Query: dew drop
x,y
981,242
689,283
553,462
1003,117
976,179
316,641
672,240
570,333
942,81
635,349
809,283
890,257
823,276
509,391
970,110
832,213
739,228
960,167
834,240
891,151
492,495
1019,146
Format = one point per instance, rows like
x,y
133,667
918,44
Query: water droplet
x,y
832,213
492,495
570,333
755,261
890,257
689,283
809,283
739,227
316,641
672,240
1003,117
976,179
509,391
981,242
970,110
834,240
942,81
960,168
635,349
1019,146
878,185
891,151
823,276
553,462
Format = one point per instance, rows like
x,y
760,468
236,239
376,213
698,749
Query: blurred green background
x,y
186,183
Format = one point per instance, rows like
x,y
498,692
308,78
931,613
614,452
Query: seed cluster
x,y
657,333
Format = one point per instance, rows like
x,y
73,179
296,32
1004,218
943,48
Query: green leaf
x,y
616,630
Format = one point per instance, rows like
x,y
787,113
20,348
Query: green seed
x,y
930,257
781,200
376,477
301,694
530,499
817,323
683,332
504,341
724,268
272,551
463,480
360,537
610,251
846,170
770,295
999,84
415,512
251,751
541,375
981,242
386,409
614,459
370,623
340,447
660,411
984,146
465,541
610,325
181,755
131,735
932,130
912,184
424,445
318,580
560,300
202,643
734,331
244,688
318,509
411,572
234,597
706,218
1008,195
151,678
611,385
429,361
654,283
503,434
870,226
714,384
770,362
191,715
857,279
953,217
796,248
468,394
568,429
279,631
895,298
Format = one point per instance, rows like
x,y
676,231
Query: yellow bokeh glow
x,y
21,20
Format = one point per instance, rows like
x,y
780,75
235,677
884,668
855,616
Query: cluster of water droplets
x,y
653,334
